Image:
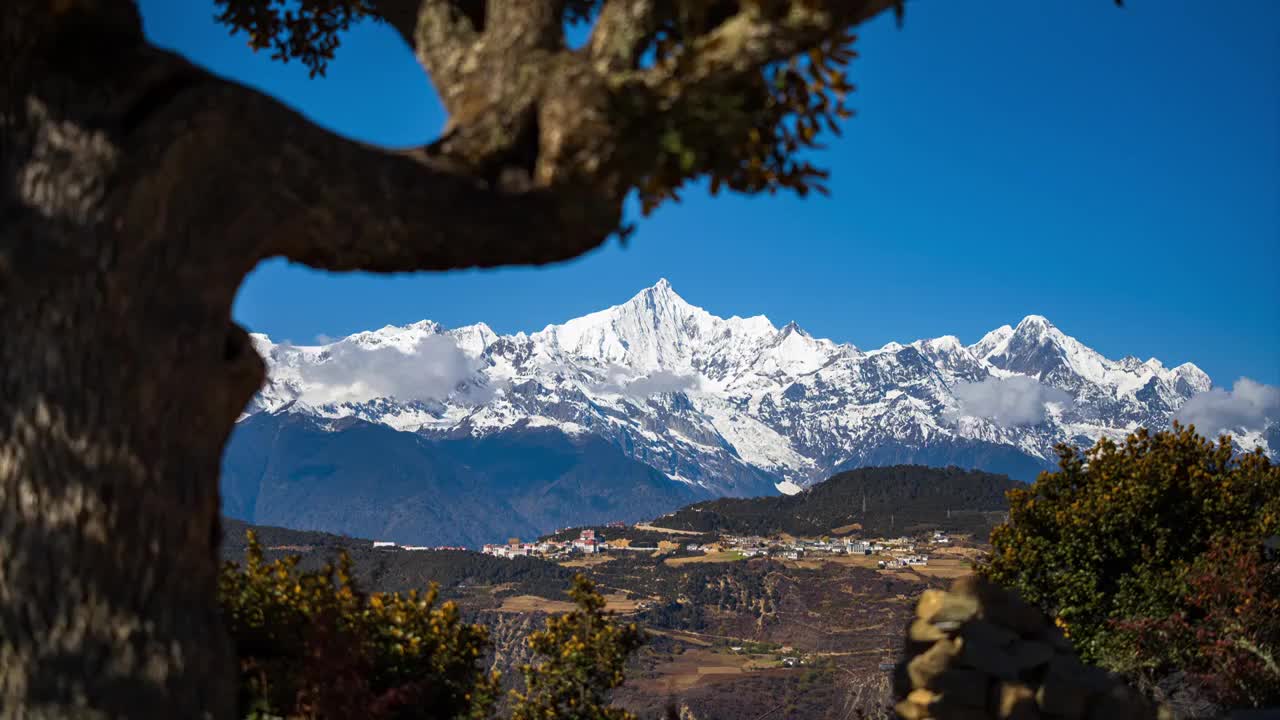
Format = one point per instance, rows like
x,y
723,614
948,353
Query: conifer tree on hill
x,y
139,190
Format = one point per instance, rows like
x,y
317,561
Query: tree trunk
x,y
109,455
136,192
121,376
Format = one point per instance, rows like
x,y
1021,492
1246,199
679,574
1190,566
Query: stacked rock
x,y
979,652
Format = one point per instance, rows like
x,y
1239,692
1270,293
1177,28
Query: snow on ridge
x,y
679,388
786,487
992,343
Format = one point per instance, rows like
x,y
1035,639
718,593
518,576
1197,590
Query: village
x,y
703,621
890,553
586,543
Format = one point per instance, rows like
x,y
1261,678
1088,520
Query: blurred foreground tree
x,y
1149,554
582,656
1222,640
137,191
312,645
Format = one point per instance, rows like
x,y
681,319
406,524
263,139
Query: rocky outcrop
x,y
978,652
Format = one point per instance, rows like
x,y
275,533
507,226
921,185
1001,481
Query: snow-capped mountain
x,y
736,405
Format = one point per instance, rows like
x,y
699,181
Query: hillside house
x,y
587,543
859,547
510,550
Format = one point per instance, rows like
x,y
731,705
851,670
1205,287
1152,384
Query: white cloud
x,y
619,380
662,381
1247,406
322,339
430,370
1010,401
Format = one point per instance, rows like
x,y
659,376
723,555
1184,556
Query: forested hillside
x,y
877,501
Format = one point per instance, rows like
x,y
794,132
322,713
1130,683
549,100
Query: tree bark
x,y
136,193
121,376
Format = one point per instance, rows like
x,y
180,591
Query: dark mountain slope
x,y
366,479
358,479
952,452
898,499
553,480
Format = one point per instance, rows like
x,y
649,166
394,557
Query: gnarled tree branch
x,y
402,211
542,143
621,33
757,35
443,35
522,26
302,193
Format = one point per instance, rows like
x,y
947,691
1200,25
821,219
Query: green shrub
x,y
583,654
311,645
1225,635
1128,537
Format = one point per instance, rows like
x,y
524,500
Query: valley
x,y
803,625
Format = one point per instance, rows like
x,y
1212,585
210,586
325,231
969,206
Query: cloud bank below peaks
x,y
1012,401
1248,406
431,370
620,380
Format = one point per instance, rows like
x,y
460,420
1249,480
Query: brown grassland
x,y
715,557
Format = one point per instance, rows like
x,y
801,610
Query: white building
x,y
858,547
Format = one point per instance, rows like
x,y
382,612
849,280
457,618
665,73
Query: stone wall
x,y
979,652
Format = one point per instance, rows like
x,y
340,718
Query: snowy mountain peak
x,y
1036,323
659,294
793,327
473,339
1036,330
261,342
946,343
1192,375
736,405
991,342
655,329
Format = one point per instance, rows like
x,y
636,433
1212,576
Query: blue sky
x,y
1117,171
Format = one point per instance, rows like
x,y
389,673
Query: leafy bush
x,y
1225,636
312,645
1155,533
583,655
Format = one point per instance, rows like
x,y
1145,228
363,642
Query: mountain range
x,y
699,406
